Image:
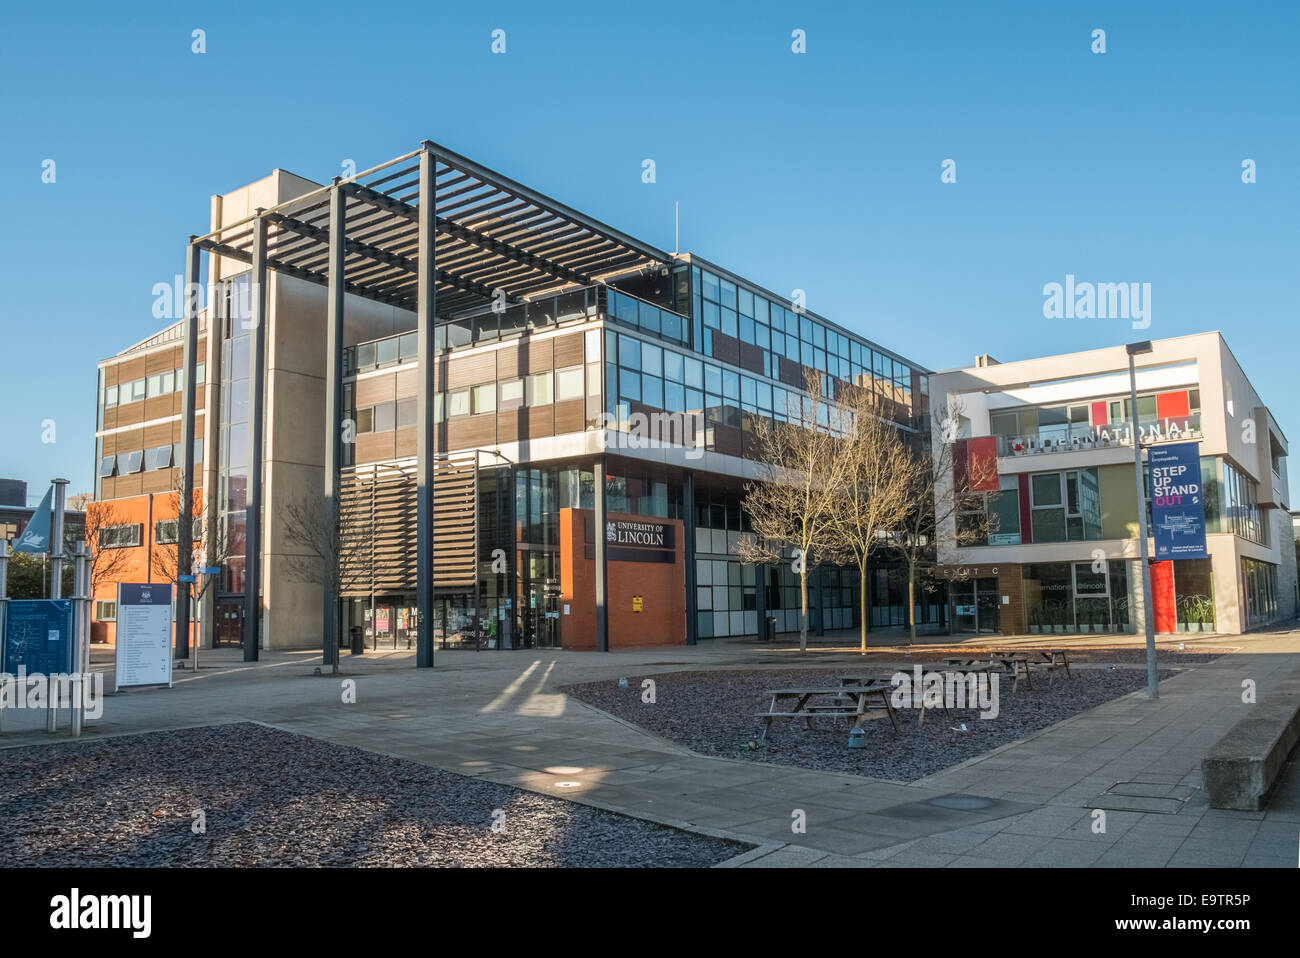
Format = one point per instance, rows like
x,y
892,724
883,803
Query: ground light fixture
x,y
1148,613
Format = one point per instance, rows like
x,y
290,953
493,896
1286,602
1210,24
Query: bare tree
x,y
878,486
801,476
337,548
939,501
107,563
211,543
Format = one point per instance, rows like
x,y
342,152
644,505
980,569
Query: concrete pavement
x,y
500,716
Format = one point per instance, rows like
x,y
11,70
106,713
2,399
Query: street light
x,y
1148,611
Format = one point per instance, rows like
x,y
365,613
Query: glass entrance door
x,y
976,606
539,618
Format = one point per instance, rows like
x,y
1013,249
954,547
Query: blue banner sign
x,y
1177,501
38,636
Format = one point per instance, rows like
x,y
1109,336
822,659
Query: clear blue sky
x,y
818,171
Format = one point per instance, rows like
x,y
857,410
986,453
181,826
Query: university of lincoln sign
x,y
628,540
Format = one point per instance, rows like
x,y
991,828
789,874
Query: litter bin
x,y
358,636
769,629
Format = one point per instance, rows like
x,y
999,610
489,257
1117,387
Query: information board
x,y
1177,501
144,634
38,637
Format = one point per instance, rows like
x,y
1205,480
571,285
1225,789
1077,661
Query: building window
x,y
166,532
110,396
129,463
159,457
1259,580
540,389
134,391
569,383
484,398
120,537
1065,506
1241,504
366,419
107,467
105,611
512,394
385,417
458,403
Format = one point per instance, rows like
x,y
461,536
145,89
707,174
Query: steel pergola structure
x,y
431,232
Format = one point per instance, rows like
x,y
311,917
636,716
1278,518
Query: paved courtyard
x,y
500,717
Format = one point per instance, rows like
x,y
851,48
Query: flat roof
x,y
492,234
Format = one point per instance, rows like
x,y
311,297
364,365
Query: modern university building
x,y
1053,544
521,415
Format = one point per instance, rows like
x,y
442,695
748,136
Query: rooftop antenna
x,y
676,245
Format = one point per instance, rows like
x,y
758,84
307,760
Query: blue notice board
x,y
1177,501
38,636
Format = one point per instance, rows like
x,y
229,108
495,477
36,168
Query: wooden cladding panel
x,y
472,370
374,390
406,442
541,356
570,416
379,530
376,446
406,383
541,421
510,361
469,432
511,424
569,350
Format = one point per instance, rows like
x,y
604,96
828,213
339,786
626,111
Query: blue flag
x,y
36,537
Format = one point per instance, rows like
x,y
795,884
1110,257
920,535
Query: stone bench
x,y
1242,767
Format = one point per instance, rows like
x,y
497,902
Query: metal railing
x,y
570,306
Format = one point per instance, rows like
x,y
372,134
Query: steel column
x,y
185,532
56,538
688,555
426,421
1148,605
256,409
602,564
334,418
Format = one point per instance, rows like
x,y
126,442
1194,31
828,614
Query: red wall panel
x,y
1173,405
1162,584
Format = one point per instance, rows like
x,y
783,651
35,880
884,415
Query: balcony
x,y
567,308
1081,437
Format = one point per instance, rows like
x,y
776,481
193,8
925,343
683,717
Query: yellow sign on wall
x,y
636,603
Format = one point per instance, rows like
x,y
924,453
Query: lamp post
x,y
1148,610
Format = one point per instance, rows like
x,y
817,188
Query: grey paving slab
x,y
501,717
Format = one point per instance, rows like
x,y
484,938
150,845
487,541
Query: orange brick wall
x,y
661,585
137,567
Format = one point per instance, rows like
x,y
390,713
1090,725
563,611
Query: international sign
x,y
1177,501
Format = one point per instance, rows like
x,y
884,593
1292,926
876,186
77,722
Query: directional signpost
x,y
144,635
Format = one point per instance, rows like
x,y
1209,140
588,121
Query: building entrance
x,y
976,606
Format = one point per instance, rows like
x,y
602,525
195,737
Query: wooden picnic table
x,y
1019,662
851,702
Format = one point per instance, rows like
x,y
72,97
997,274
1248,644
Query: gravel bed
x,y
1084,656
714,713
272,798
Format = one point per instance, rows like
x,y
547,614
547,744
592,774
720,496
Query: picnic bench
x,y
1020,662
846,701
887,681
